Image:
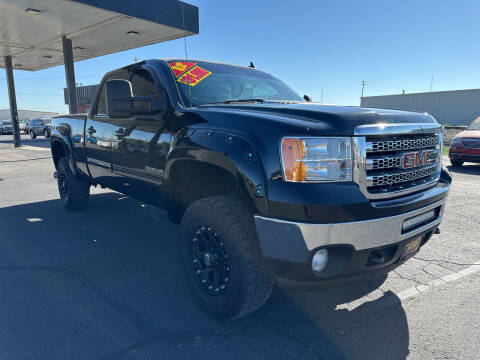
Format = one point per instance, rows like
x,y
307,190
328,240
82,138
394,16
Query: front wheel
x,y
46,133
221,257
32,134
74,192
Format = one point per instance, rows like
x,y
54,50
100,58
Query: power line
x,y
53,78
395,87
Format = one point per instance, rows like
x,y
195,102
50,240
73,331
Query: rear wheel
x,y
221,256
32,134
74,192
456,163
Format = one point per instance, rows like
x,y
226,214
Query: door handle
x,y
120,133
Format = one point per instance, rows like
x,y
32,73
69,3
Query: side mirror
x,y
122,104
307,98
118,95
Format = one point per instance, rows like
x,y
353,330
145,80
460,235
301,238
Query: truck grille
x,y
404,144
392,165
471,143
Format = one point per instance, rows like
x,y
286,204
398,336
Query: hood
x,y
471,134
317,119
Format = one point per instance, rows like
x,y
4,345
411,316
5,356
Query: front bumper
x,y
475,158
288,246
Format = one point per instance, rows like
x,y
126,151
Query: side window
x,y
143,85
101,107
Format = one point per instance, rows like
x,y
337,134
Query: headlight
x,y
316,159
456,140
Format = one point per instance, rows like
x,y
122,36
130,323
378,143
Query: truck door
x,y
141,144
98,137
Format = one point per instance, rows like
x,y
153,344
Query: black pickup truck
x,y
268,187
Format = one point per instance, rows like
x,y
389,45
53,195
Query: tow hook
x,y
437,231
55,175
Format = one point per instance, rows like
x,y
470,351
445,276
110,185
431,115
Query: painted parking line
x,y
35,148
448,279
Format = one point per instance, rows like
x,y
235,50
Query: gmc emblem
x,y
419,158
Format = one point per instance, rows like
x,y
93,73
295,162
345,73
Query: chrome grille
x,y
401,177
383,162
401,144
397,159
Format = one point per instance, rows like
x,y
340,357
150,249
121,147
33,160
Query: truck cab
x,y
267,187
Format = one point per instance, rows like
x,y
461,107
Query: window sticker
x,y
179,67
193,76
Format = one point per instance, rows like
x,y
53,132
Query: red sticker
x,y
194,76
179,67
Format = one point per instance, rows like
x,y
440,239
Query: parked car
x,y
21,125
465,146
6,127
267,187
39,127
27,126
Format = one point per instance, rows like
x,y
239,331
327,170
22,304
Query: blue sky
x,y
311,45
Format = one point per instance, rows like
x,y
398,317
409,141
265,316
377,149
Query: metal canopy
x,y
31,31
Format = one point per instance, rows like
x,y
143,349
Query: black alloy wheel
x,y
222,257
74,191
62,186
210,261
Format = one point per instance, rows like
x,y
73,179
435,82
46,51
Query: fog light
x,y
320,260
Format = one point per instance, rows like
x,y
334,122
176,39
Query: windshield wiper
x,y
232,101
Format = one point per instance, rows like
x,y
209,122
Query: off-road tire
x,y
77,192
456,163
250,284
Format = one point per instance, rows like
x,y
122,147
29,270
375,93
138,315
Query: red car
x,y
466,145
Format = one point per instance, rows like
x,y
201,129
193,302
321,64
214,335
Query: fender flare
x,y
225,150
61,133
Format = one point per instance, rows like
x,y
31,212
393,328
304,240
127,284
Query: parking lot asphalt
x,y
107,283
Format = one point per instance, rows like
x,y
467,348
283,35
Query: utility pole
x,y
363,83
431,84
321,97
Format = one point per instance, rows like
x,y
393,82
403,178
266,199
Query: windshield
x,y
7,122
475,125
208,83
36,122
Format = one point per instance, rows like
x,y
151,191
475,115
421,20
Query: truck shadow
x,y
467,168
131,264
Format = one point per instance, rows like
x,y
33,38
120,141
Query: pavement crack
x,y
435,276
447,261
411,279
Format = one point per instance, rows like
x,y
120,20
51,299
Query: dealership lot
x,y
106,283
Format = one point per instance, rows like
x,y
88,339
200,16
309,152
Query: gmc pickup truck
x,y
268,187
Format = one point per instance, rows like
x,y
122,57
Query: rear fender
x,y
61,134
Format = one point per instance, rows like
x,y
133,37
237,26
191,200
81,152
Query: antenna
x,y
186,54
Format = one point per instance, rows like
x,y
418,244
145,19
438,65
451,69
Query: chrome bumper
x,y
290,241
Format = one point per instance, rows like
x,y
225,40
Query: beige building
x,y
27,114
